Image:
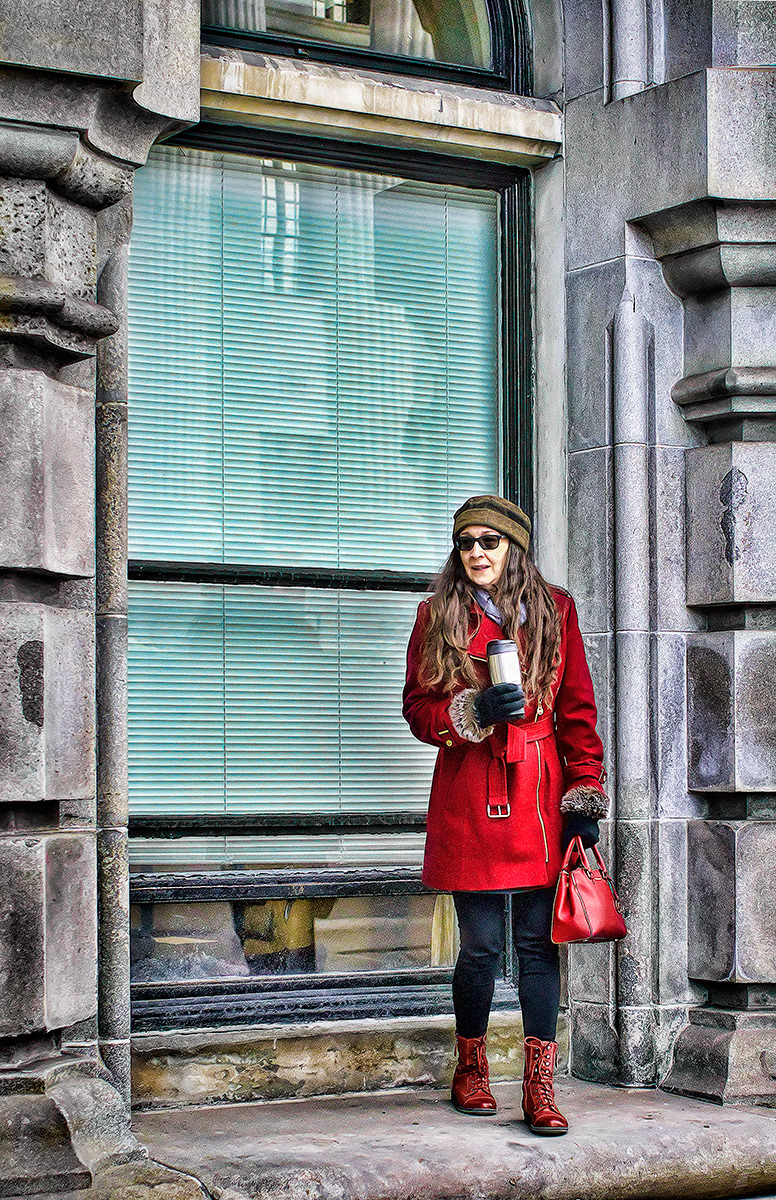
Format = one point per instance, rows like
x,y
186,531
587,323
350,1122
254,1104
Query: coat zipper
x,y
538,807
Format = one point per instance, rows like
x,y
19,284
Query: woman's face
x,y
484,567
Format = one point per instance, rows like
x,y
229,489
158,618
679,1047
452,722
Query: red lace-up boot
x,y
539,1107
471,1091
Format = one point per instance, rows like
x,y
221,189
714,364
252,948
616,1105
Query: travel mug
x,y
503,663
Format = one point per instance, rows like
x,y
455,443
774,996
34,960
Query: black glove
x,y
578,826
502,702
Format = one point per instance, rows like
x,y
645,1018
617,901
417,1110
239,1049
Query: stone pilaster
x,y
87,94
720,256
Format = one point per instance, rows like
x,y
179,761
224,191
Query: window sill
x,y
351,105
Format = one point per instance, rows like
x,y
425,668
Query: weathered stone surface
x,y
339,1056
35,1151
687,29
591,974
97,1120
111,505
46,237
117,1056
710,719
731,912
636,1027
755,715
592,296
47,933
71,930
143,1181
756,905
112,768
741,137
22,936
721,144
745,33
68,704
732,328
631,187
47,486
731,723
584,47
170,84
590,528
634,768
599,651
47,691
113,890
670,728
726,1056
621,1142
711,919
634,886
668,538
673,984
86,39
594,1044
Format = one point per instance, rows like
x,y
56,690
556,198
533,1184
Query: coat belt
x,y
514,750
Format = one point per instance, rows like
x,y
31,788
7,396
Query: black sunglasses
x,y
488,541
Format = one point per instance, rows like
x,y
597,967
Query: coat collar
x,y
481,631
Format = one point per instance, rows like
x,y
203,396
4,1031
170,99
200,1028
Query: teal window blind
x,y
314,382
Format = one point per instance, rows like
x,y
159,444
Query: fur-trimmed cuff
x,y
464,717
585,801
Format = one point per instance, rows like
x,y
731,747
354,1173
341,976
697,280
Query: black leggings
x,y
481,922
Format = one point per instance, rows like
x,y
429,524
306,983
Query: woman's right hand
x,y
502,702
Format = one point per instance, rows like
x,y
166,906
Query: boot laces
x,y
541,1080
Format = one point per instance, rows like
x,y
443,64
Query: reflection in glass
x,y
312,353
451,31
323,935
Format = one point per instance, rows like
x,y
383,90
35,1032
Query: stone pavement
x,y
407,1144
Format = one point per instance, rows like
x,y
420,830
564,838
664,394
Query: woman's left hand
x,y
577,826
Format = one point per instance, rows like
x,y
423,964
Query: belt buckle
x,y
498,814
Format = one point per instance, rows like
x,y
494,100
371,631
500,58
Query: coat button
x,y
448,742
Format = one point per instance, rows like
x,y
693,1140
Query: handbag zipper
x,y
538,807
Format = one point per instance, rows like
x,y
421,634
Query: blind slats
x,y
314,382
323,345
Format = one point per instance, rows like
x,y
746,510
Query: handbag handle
x,y
577,850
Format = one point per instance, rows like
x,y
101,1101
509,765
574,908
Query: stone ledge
x,y
319,1058
353,105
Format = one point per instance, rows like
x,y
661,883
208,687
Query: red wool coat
x,y
524,770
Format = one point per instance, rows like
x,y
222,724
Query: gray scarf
x,y
491,610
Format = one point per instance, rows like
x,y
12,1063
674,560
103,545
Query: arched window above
x,y
477,41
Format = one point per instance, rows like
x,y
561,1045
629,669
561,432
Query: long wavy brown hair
x,y
445,661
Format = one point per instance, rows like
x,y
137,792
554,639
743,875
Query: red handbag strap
x,y
575,851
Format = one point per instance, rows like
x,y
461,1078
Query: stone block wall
x,y
669,234
71,135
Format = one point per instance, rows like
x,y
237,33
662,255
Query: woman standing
x,y
519,773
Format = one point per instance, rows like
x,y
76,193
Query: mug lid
x,y
502,647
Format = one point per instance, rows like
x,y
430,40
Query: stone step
x,y
36,1155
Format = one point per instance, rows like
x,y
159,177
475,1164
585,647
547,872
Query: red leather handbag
x,y
587,907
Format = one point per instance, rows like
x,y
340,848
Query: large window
x,y
480,43
450,31
316,383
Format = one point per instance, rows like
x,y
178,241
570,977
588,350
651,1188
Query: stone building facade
x,y
650,136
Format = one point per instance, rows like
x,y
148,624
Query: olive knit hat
x,y
497,513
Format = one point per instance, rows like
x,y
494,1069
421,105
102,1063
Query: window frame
x,y
162,1002
509,31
